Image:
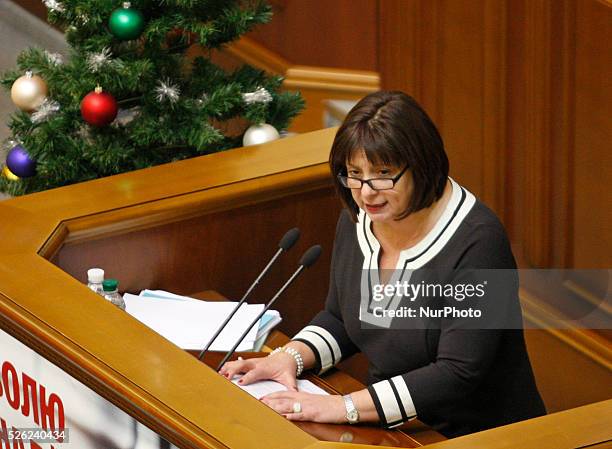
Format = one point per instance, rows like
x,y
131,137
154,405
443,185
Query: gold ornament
x,y
8,174
28,92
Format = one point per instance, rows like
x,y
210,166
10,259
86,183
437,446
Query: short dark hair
x,y
392,129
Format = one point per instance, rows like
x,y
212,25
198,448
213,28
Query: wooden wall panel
x,y
543,111
592,198
457,81
223,251
521,93
398,50
340,33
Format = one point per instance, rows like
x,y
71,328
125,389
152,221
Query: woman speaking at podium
x,y
403,215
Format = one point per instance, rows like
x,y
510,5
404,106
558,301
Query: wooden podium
x,y
201,224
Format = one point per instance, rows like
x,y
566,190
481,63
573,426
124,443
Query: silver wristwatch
x,y
352,415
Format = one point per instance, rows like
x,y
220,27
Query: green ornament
x,y
126,23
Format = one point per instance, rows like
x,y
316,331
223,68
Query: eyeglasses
x,y
374,183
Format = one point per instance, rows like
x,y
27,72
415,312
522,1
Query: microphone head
x,y
311,256
289,239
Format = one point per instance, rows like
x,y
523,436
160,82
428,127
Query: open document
x,y
264,387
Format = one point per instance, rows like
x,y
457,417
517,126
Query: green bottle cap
x,y
110,284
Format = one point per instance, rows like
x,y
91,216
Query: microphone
x,y
288,240
307,260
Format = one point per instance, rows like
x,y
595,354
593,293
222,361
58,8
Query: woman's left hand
x,y
312,407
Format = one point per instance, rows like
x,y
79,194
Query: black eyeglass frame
x,y
344,180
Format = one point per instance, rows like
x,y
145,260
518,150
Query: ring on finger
x,y
297,407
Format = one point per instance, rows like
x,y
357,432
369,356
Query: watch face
x,y
352,416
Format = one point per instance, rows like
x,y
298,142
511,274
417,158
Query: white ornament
x,y
54,5
54,58
167,91
45,111
261,95
257,134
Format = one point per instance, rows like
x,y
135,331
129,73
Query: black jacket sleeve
x,y
326,334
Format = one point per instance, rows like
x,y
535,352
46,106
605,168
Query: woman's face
x,y
382,206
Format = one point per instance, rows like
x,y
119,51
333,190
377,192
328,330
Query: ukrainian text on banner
x,y
43,407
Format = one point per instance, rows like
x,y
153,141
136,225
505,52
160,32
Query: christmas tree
x,y
128,96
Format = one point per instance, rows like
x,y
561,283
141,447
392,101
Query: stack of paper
x,y
190,323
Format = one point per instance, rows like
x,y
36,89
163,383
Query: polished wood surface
x,y
583,427
592,160
339,34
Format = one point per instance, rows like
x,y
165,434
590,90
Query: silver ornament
x,y
261,95
258,134
167,91
47,109
95,61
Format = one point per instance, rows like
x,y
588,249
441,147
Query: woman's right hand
x,y
280,367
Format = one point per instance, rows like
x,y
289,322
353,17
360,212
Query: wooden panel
x,y
522,101
338,34
559,86
538,115
592,218
456,80
561,369
223,251
398,34
577,428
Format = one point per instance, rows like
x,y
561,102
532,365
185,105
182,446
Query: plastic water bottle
x,y
112,294
95,276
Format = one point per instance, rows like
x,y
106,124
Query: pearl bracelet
x,y
296,355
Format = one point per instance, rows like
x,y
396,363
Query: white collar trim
x,y
460,203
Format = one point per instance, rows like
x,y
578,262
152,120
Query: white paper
x,y
191,324
264,387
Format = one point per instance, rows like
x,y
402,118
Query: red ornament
x,y
99,108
